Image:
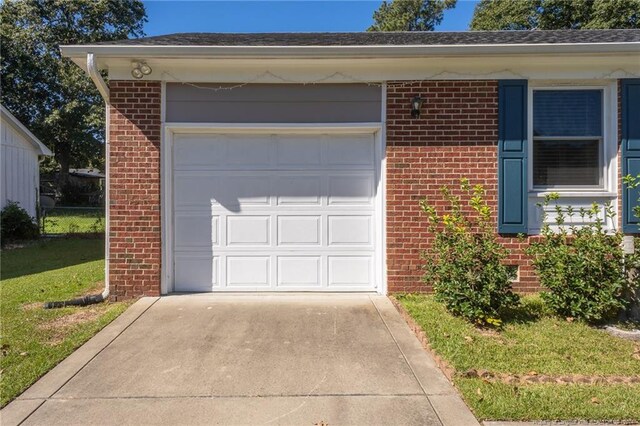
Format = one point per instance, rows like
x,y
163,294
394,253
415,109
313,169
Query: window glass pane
x,y
574,163
567,113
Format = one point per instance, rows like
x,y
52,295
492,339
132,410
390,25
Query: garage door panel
x,y
248,152
195,272
298,190
350,271
298,151
248,271
352,151
299,230
350,230
299,271
297,216
235,191
356,189
196,230
248,230
193,191
195,151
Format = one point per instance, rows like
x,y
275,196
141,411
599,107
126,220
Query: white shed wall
x,y
20,170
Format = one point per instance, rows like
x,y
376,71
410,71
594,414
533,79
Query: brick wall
x,y
456,136
134,199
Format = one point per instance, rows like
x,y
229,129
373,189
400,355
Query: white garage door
x,y
274,213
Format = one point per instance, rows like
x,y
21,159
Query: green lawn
x,y
533,342
73,221
34,340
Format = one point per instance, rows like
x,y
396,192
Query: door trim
x,y
169,130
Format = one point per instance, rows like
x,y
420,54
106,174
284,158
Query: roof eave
x,y
35,142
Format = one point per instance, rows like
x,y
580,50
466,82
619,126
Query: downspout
x,y
102,87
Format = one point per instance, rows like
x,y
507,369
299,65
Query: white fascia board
x,y
39,146
382,51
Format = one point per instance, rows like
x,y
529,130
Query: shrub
x,y
16,224
581,266
465,263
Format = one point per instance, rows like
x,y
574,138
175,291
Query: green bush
x,y
582,268
16,224
466,263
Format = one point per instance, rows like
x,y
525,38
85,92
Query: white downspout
x,y
102,87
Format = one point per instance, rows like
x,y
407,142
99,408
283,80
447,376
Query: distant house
x,y
86,176
19,157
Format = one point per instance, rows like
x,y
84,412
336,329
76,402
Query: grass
x,y
74,221
533,341
34,340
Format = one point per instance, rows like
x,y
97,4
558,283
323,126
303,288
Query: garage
x,y
264,211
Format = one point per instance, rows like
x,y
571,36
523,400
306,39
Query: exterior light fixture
x,y
416,104
140,69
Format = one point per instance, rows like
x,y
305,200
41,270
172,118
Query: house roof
x,y
427,38
88,173
361,44
39,146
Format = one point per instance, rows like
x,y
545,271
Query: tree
x,y
410,15
49,94
555,14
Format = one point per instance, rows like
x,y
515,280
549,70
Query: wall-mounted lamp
x,y
416,104
140,69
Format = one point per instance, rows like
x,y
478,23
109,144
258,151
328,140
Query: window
x,y
568,139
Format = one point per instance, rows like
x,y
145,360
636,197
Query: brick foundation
x,y
134,199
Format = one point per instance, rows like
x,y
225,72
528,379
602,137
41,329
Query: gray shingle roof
x,y
386,38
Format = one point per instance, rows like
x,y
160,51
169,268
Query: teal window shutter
x,y
512,156
630,111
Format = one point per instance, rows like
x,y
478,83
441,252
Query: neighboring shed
x,y
19,157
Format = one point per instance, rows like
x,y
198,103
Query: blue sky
x,y
277,16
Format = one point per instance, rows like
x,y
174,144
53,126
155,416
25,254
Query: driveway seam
x,y
88,361
406,360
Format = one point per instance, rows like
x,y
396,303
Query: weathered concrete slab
x,y
63,372
333,410
248,359
246,346
18,410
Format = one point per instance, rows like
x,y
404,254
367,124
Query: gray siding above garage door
x,y
274,103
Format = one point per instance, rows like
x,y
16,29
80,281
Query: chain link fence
x,y
72,221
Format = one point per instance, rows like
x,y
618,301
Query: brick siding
x,y
455,136
134,199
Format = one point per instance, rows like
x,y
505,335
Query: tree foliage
x,y
555,14
47,93
410,15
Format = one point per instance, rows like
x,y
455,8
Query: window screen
x,y
567,138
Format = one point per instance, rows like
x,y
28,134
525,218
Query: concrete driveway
x,y
247,359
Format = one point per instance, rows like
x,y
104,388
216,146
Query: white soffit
x,y
305,70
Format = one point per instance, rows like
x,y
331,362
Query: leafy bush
x,y
465,263
16,224
583,267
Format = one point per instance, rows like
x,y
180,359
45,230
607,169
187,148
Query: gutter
x,y
102,87
365,51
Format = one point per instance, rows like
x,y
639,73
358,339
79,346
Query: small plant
x,y
16,224
466,263
581,266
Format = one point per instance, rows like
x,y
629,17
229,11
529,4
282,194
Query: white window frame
x,y
609,145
